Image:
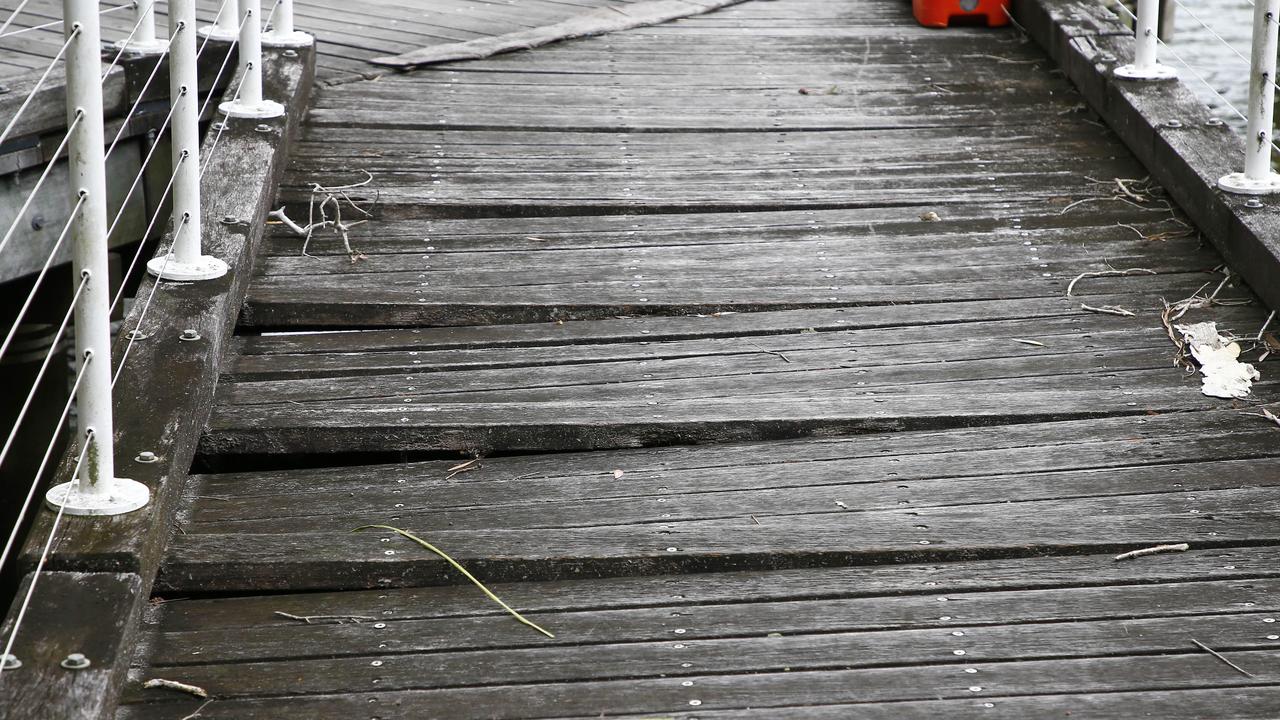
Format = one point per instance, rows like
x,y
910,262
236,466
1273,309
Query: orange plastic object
x,y
941,13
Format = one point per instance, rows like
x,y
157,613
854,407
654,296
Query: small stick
x,y
336,619
196,714
785,359
1155,550
1109,310
175,685
1035,343
1265,414
1107,273
1218,655
1262,330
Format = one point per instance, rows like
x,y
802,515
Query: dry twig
x,y
1265,414
1218,655
1109,310
325,619
328,197
175,685
197,714
1155,550
1107,273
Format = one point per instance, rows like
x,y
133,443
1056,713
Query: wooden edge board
x,y
93,614
163,396
1167,128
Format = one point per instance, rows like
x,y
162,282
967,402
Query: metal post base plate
x,y
240,109
136,48
295,39
1242,184
213,32
1151,72
122,496
206,267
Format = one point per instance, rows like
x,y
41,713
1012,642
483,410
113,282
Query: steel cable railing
x,y
93,487
1257,178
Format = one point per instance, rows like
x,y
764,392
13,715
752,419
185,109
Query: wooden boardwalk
x,y
349,32
757,325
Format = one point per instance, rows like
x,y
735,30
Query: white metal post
x,y
1258,178
282,33
249,102
143,41
97,491
226,26
1146,43
184,261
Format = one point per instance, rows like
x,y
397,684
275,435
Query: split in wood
x,y
1154,550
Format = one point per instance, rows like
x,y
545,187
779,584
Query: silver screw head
x,y
262,128
9,661
1175,124
75,661
146,457
136,335
290,53
1253,203
1214,122
229,220
189,335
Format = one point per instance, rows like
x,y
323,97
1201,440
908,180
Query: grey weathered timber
x,y
162,395
91,614
737,353
1168,129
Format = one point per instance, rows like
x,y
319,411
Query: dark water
x,y
1210,49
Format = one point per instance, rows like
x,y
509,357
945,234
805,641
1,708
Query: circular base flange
x,y
206,267
1155,71
240,109
122,496
213,32
1241,184
295,39
136,48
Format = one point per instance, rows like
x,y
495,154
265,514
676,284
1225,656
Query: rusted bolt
x,y
189,335
75,661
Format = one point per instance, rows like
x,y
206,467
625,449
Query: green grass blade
x,y
459,568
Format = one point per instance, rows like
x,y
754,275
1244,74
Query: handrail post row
x,y
248,102
1146,44
144,40
97,491
184,261
282,33
1258,177
226,26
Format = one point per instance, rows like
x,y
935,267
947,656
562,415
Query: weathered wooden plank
x,y
779,688
320,560
93,614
